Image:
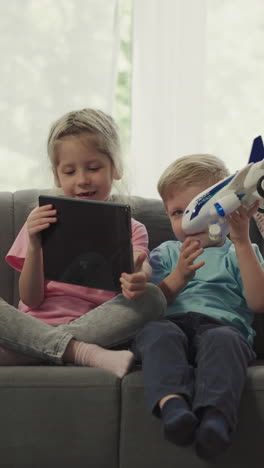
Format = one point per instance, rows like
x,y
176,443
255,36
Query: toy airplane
x,y
211,206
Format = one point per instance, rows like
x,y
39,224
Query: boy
x,y
195,361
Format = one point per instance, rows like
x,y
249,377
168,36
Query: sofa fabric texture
x,y
54,416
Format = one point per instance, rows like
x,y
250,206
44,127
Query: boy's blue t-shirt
x,y
216,289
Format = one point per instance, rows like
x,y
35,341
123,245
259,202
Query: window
x,y
55,57
122,106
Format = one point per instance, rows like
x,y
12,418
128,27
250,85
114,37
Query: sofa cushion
x,y
6,240
59,417
258,324
151,212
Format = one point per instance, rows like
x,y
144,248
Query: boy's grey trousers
x,y
195,356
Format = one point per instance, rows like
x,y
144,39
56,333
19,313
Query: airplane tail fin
x,y
257,151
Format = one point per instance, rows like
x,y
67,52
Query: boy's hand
x,y
133,285
186,267
239,223
39,219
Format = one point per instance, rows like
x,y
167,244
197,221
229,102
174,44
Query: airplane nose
x,y
186,222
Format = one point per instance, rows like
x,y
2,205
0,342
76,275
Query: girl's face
x,y
82,171
176,204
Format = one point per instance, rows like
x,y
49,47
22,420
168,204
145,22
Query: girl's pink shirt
x,y
66,302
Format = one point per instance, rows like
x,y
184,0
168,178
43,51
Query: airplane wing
x,y
237,183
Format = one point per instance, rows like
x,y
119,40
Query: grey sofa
x,y
72,416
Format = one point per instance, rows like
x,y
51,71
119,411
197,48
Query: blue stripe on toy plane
x,y
208,195
257,150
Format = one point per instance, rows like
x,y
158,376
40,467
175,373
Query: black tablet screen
x,y
89,245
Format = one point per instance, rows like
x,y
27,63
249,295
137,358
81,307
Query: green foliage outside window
x,y
123,89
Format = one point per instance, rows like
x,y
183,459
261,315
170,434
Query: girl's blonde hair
x,y
191,170
100,127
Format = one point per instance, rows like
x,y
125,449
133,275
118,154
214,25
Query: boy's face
x,y
176,204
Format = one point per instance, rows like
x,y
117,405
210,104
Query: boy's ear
x,y
56,178
165,207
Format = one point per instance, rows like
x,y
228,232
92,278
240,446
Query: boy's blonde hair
x,y
100,127
191,170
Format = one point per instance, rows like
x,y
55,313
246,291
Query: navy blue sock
x,y
213,434
179,421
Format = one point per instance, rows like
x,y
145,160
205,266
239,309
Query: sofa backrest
x,y
15,207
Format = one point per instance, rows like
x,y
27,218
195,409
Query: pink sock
x,y
8,357
91,355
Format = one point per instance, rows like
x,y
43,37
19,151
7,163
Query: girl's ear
x,y
56,178
116,176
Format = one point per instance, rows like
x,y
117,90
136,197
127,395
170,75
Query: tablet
x,y
89,245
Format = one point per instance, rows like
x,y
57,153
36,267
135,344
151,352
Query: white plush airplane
x,y
210,207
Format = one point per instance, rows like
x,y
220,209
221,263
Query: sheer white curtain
x,y
167,87
197,85
234,107
56,56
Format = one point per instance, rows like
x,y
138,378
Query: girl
x,y
84,150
